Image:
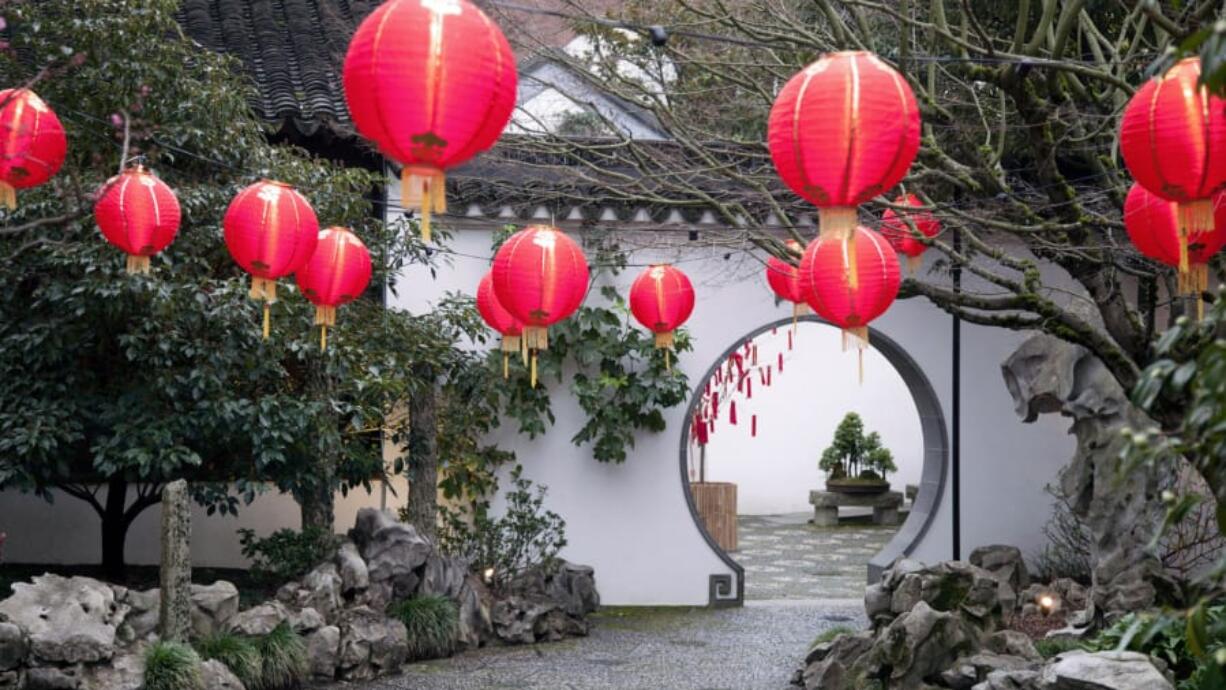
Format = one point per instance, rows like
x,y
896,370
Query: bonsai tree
x,y
856,455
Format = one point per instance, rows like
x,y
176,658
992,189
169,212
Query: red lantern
x,y
433,83
662,298
1153,226
32,143
337,273
271,231
1172,137
898,233
824,274
138,213
784,280
498,318
842,131
541,277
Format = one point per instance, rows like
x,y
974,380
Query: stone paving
x,y
752,648
786,558
800,581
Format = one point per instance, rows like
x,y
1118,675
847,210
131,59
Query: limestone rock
x,y
971,670
877,603
950,586
306,620
1077,670
68,620
574,588
9,680
1012,643
827,664
213,606
516,618
323,649
323,587
218,677
393,550
370,644
13,646
1007,567
52,678
123,672
476,625
1010,680
442,576
919,644
258,620
355,578
141,621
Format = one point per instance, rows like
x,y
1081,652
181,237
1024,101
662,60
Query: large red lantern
x,y
662,298
784,280
433,83
540,277
1153,226
138,213
498,318
271,231
842,131
337,273
32,143
897,231
824,272
1172,137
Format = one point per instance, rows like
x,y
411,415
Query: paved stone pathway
x,y
800,581
752,648
786,558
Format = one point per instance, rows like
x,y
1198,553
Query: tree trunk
x,y
316,503
114,529
422,466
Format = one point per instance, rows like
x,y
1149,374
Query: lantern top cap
x,y
275,183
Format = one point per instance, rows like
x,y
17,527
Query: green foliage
x,y
830,634
286,553
172,666
284,654
853,454
498,548
1192,643
432,624
239,654
1051,646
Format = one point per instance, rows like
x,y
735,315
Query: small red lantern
x,y
1153,226
662,298
1172,137
337,273
32,143
138,213
433,83
842,131
540,277
271,231
824,272
498,318
784,280
898,233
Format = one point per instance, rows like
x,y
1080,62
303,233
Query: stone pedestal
x,y
175,619
826,506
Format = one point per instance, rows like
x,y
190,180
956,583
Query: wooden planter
x,y
857,486
716,505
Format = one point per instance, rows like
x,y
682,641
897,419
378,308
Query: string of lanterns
x,y
432,83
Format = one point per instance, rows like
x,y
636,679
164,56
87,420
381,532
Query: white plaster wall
x,y
797,416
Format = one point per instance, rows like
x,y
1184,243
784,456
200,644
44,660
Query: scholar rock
x,y
370,644
476,624
827,664
217,676
918,644
258,620
213,606
13,646
68,620
442,577
306,620
323,649
393,551
355,578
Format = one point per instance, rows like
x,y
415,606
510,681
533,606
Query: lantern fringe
x,y
325,315
799,309
839,223
664,340
1195,218
858,338
138,264
8,196
913,264
425,190
536,338
265,290
511,343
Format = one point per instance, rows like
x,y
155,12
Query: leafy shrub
x,y
286,554
1192,643
1052,646
238,653
285,661
432,623
172,666
524,537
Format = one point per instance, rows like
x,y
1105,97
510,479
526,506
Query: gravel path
x,y
752,648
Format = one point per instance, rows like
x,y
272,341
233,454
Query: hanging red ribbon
x,y
780,362
753,425
749,387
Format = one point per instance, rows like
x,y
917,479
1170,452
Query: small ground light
x,y
489,575
1047,604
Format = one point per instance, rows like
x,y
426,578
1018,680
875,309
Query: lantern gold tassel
x,y
267,319
510,343
506,366
533,366
138,264
839,223
8,196
265,290
664,341
857,337
424,190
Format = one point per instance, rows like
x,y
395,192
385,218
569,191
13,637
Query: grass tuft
x,y
432,624
172,666
238,653
284,654
831,633
1051,646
